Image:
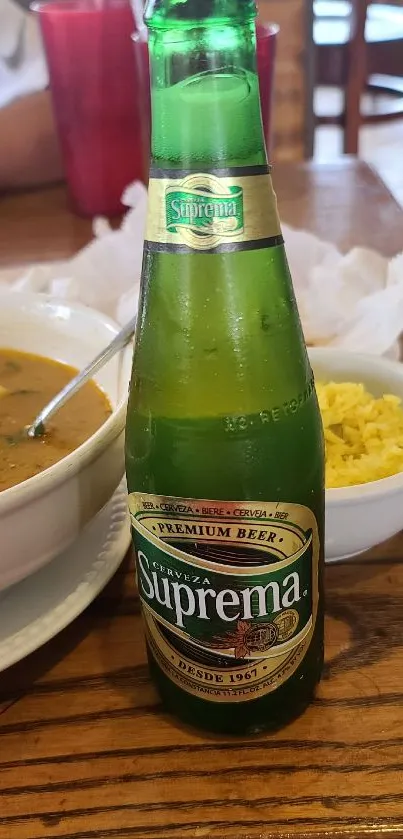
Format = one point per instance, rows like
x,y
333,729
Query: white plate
x,y
35,610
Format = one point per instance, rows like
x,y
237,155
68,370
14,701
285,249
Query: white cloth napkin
x,y
353,301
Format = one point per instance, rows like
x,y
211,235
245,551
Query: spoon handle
x,y
37,428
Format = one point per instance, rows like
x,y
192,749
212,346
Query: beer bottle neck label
x,y
214,211
229,591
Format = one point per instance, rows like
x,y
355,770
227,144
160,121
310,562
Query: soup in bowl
x,y
52,486
27,383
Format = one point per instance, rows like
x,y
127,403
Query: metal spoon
x,y
37,428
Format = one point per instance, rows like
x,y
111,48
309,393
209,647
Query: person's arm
x,y
29,151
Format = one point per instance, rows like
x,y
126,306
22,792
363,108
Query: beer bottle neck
x,y
205,89
192,12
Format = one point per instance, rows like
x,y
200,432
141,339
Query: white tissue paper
x,y
353,301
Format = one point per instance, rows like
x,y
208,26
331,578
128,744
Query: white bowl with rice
x,y
361,515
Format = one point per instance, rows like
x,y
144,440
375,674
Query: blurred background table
x,y
86,751
344,202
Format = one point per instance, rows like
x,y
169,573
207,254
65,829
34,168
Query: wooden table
x,y
86,752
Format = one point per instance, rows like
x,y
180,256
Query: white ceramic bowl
x,y
360,517
42,516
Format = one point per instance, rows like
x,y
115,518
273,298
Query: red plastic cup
x,y
99,98
266,35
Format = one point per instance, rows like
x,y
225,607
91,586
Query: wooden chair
x,y
293,123
352,63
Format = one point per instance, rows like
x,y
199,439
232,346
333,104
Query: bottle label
x,y
229,591
216,211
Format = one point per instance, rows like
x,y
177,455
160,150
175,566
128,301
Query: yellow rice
x,y
363,435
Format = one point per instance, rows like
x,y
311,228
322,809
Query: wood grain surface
x,y
86,751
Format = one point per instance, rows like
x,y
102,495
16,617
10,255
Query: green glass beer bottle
x,y
224,447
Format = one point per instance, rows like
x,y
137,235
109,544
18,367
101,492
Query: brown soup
x,y
27,383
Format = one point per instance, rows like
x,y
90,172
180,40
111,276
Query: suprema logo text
x,y
203,211
208,604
